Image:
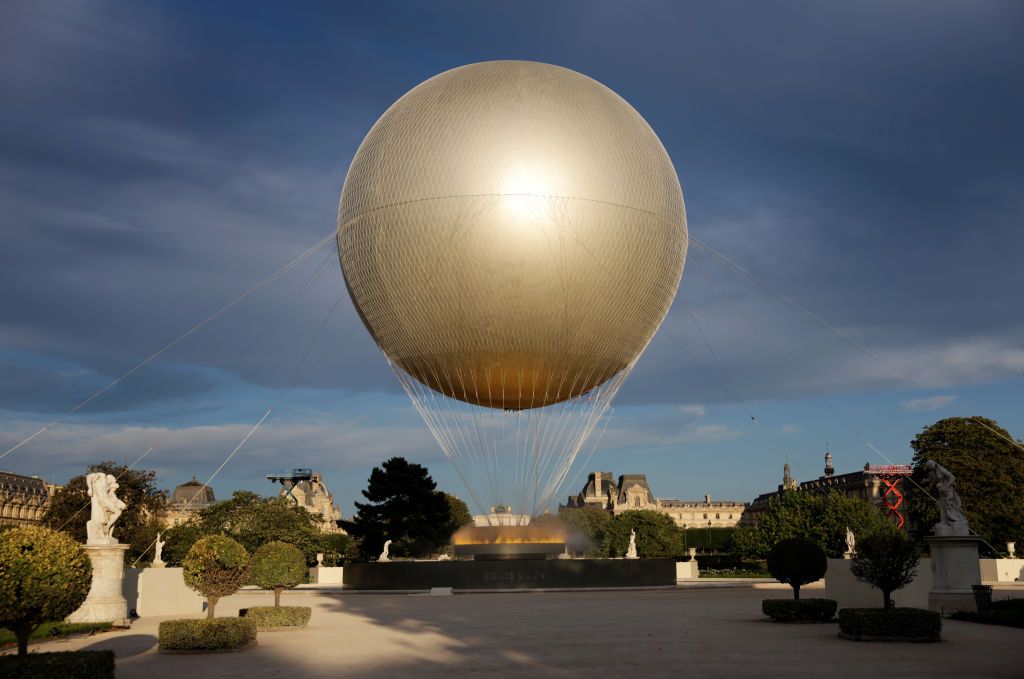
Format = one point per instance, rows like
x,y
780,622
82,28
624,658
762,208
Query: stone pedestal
x,y
106,602
955,570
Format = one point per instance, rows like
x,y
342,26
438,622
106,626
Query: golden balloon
x,y
512,234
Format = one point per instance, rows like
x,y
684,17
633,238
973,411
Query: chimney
x,y
707,499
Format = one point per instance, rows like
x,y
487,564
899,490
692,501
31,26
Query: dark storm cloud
x,y
157,159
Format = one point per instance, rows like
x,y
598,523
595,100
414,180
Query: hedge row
x,y
1008,605
1007,617
279,616
799,610
907,624
212,634
77,664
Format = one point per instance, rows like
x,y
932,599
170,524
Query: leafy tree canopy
x,y
44,576
656,535
989,471
138,524
404,507
253,521
459,511
586,528
819,517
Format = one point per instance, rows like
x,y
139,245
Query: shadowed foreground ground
x,y
705,632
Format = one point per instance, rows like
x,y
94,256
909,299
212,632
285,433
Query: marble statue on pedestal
x,y
158,551
631,552
851,544
105,601
106,509
952,521
384,556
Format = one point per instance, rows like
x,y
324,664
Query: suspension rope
x,y
152,357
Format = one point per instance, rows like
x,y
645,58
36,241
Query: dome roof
x,y
185,493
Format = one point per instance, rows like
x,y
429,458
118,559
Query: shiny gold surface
x,y
512,233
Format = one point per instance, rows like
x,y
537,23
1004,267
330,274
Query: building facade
x,y
24,499
631,492
870,484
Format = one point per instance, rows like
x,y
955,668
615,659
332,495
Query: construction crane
x,y
289,479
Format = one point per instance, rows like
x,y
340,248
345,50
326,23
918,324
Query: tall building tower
x,y
788,482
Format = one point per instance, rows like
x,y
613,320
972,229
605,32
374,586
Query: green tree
x,y
404,507
586,528
819,517
44,576
253,521
459,512
797,562
138,524
216,566
989,470
278,566
886,560
656,534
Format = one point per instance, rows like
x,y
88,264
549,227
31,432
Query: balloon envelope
x,y
512,234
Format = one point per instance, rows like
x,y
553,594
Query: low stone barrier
x,y
852,593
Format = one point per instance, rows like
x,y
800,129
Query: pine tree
x,y
404,507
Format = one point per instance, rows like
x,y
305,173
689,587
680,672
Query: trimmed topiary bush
x,y
799,610
887,561
278,566
44,576
890,624
77,664
218,634
215,566
796,562
277,616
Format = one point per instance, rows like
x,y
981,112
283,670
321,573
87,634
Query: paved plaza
x,y
700,631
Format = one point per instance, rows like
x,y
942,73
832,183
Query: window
x,y
705,515
636,500
717,515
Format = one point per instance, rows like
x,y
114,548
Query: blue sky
x,y
158,159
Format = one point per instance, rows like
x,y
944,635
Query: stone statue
x,y
952,521
106,508
851,541
444,557
631,552
158,561
384,555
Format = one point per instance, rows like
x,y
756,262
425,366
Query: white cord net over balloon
x,y
518,460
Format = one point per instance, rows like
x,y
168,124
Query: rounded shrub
x,y
277,566
796,562
886,560
799,610
220,634
215,566
269,617
890,624
45,575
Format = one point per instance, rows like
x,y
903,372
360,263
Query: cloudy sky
x,y
159,159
